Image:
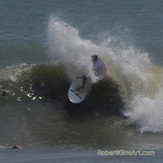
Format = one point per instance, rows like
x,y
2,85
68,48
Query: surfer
x,y
99,71
4,93
13,147
16,147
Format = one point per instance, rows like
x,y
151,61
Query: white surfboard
x,y
77,96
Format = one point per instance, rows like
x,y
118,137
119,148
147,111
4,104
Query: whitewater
x,y
140,82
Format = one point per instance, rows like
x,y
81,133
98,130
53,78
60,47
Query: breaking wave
x,y
139,81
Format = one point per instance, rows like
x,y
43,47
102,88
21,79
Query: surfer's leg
x,y
83,84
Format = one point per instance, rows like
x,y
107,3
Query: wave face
x,y
139,81
26,83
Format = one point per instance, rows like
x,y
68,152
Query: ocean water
x,y
45,44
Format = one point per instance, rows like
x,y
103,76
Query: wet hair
x,y
94,56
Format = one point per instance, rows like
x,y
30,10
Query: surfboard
x,y
77,96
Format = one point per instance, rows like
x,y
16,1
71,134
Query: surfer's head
x,y
94,57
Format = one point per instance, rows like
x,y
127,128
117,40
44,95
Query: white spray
x,y
140,82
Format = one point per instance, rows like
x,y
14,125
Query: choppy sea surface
x,y
44,45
